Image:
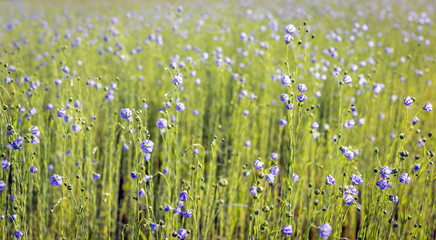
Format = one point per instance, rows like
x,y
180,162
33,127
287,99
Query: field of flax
x,y
217,120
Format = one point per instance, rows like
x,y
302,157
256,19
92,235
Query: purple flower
x,y
415,120
348,199
315,125
147,146
269,178
287,230
134,175
5,164
187,213
382,184
35,141
95,176
347,79
274,171
427,107
247,143
284,97
356,179
404,178
182,233
385,172
154,227
253,190
2,185
258,165
301,97
65,69
330,180
349,189
61,112
283,122
141,192
288,38
35,131
180,107
408,101
76,128
274,156
325,230
302,87
161,123
17,143
33,169
394,198
178,79
285,80
18,234
289,106
177,210
183,195
417,167
55,180
126,113
295,177
290,29
167,208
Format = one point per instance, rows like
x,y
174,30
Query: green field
x,y
217,120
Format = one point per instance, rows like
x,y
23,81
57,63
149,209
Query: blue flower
x,y
428,107
385,172
330,180
167,208
134,175
289,106
126,113
76,128
258,165
2,185
274,156
269,178
404,178
154,227
147,146
184,196
141,192
301,97
288,38
178,79
417,167
295,177
274,170
415,120
302,87
253,190
18,234
17,143
287,230
182,233
55,180
284,97
5,164
161,123
408,101
383,184
348,199
95,176
180,107
187,213
347,79
285,80
61,113
394,198
290,29
33,169
325,230
356,179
